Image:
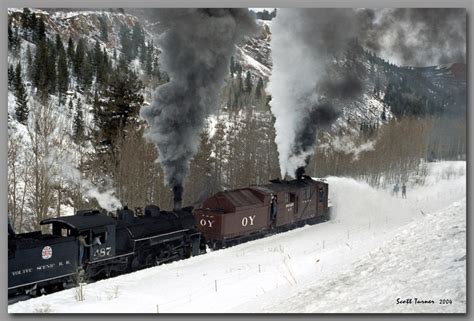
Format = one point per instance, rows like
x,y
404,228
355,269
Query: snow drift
x,y
376,249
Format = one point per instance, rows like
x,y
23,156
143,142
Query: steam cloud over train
x,y
127,240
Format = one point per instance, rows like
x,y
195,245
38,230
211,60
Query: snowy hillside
x,y
402,276
72,70
253,55
376,249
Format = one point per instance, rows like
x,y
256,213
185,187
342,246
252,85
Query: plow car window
x,y
290,197
307,193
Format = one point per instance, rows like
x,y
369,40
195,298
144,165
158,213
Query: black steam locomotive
x,y
39,263
96,245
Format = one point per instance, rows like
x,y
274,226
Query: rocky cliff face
x,y
437,82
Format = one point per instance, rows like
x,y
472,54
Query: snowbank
x,y
423,269
376,249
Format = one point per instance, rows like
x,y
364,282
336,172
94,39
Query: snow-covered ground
x,y
375,250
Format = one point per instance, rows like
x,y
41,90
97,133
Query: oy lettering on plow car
x,y
206,222
248,220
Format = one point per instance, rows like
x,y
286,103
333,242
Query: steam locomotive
x,y
39,263
127,241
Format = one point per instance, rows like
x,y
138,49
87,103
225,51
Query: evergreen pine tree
x,y
18,75
40,68
63,76
29,62
25,18
41,34
248,82
105,60
156,69
11,76
259,88
78,123
273,14
51,68
59,43
232,66
21,109
125,41
25,22
33,26
240,80
79,58
70,51
220,150
71,106
10,34
137,40
88,71
143,55
104,34
229,96
17,42
377,86
384,115
149,59
105,57
96,109
122,102
13,40
97,55
102,67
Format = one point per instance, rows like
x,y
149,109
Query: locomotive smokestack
x,y
299,172
177,192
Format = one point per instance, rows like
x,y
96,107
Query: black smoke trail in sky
x,y
196,45
305,44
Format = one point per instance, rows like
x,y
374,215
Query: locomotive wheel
x,y
188,252
163,256
134,264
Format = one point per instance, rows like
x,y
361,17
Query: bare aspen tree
x,y
14,173
40,131
398,151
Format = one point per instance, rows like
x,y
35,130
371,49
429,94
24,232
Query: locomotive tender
x,y
129,241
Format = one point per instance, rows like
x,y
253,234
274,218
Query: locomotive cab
x,y
102,243
97,229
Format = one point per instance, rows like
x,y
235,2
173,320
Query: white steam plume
x,y
303,45
65,169
307,42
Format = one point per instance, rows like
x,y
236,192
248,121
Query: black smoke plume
x,y
196,47
348,87
300,172
177,197
320,116
415,36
